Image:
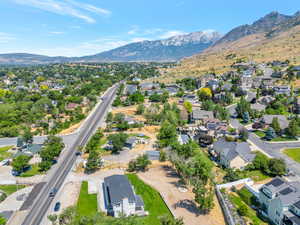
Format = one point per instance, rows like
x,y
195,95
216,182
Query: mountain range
x,y
272,37
171,49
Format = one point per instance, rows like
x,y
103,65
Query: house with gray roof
x,y
280,201
120,198
282,120
131,89
258,107
232,154
282,90
199,115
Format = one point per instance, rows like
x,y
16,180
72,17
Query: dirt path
x,y
164,180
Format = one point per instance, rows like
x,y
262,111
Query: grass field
x,y
256,175
154,204
284,139
10,189
293,153
259,133
251,215
34,170
87,203
4,154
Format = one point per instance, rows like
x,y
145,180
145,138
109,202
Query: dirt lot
x,y
71,129
164,179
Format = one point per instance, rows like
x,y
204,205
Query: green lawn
x,y
238,202
87,203
284,139
4,154
293,153
259,133
9,189
34,170
154,204
256,175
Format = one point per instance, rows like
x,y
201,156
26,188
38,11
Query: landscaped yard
x,y
4,154
154,204
87,203
259,133
34,170
293,153
284,139
10,189
256,175
251,214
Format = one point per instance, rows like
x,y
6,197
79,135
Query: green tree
x,y
20,163
260,162
277,167
242,107
27,136
52,218
139,164
188,106
167,220
2,220
293,128
93,162
109,117
167,134
270,134
204,197
275,125
244,134
118,141
243,210
140,109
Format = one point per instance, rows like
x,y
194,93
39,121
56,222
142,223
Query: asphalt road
x,y
66,161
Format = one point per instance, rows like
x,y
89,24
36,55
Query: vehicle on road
x,y
57,206
78,153
53,192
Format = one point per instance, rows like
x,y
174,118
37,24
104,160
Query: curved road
x,y
56,177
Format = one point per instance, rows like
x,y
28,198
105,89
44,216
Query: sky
x,y
85,27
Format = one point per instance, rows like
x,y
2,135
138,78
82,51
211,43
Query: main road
x,y
56,178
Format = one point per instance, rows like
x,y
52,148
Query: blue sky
x,y
83,27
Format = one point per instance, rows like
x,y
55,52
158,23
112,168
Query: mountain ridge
x,y
170,49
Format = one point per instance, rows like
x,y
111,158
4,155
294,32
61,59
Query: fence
x,y
227,214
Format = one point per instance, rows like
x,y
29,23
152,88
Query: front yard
x,y
293,153
87,203
4,154
262,135
34,170
10,189
154,204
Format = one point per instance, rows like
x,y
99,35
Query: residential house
x,y
213,84
232,154
131,142
183,139
258,107
192,98
149,86
297,105
282,90
280,201
153,155
72,106
172,89
215,127
251,97
248,73
203,80
227,87
246,83
199,115
120,198
267,83
131,89
282,120
266,100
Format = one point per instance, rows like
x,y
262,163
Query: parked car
x,y
15,173
57,206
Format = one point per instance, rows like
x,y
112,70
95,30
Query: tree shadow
x,y
189,205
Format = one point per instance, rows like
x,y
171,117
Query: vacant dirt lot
x,y
164,179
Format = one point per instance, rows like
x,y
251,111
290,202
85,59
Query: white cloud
x,y
5,37
66,7
56,32
171,33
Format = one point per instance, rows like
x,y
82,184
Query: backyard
x,y
87,203
293,153
154,204
251,213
